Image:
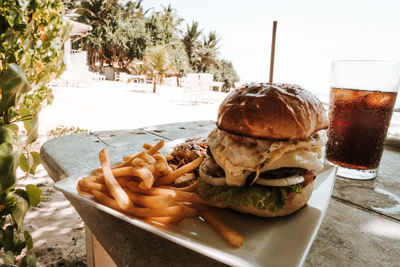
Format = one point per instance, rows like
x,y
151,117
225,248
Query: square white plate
x,y
267,241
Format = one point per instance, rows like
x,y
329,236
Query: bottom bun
x,y
294,202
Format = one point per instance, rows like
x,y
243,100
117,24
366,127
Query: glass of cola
x,y
363,94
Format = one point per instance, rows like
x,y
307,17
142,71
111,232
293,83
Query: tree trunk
x,y
155,83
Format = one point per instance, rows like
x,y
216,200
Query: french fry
x,y
166,220
161,167
116,190
123,171
131,157
155,202
95,178
147,146
189,211
156,147
135,211
87,186
173,166
137,162
227,232
125,163
105,200
185,178
160,158
148,158
145,175
152,169
123,180
180,171
179,196
147,212
168,157
154,191
145,185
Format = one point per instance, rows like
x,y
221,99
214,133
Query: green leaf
x,y
35,156
19,212
31,260
2,233
13,127
25,114
34,194
19,245
8,165
9,257
23,163
8,238
13,84
6,134
28,240
29,163
20,192
32,128
23,4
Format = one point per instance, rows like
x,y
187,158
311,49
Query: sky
x,y
310,35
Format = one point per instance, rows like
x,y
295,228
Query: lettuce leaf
x,y
261,197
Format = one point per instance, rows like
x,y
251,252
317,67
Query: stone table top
x,y
361,226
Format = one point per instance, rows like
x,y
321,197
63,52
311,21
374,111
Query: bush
x,y
225,73
32,34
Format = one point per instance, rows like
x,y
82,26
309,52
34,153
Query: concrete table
x,y
361,226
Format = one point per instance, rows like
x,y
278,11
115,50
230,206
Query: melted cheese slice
x,y
239,156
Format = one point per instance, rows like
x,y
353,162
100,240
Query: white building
x,y
76,72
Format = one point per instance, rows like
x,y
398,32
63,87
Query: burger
x,y
265,151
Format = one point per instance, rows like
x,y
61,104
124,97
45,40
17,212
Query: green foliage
x,y
157,62
191,40
204,56
163,26
225,73
14,204
119,32
178,58
13,86
32,33
63,130
8,166
34,194
123,33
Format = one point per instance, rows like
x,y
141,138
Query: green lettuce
x,y
261,197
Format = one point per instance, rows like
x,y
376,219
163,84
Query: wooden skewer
x,y
271,66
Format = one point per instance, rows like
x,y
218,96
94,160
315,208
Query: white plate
x,y
267,242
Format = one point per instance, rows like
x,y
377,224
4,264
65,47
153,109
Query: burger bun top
x,y
272,111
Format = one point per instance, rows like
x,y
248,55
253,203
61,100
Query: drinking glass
x,y
362,97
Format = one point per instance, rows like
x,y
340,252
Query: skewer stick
x,y
271,66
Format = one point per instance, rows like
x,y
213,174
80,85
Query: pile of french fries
x,y
147,186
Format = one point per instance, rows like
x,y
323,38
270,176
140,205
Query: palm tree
x,y
191,41
158,65
94,12
208,53
212,40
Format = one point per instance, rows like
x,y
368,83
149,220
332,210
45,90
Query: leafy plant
x,y
157,63
224,72
123,32
32,33
63,130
